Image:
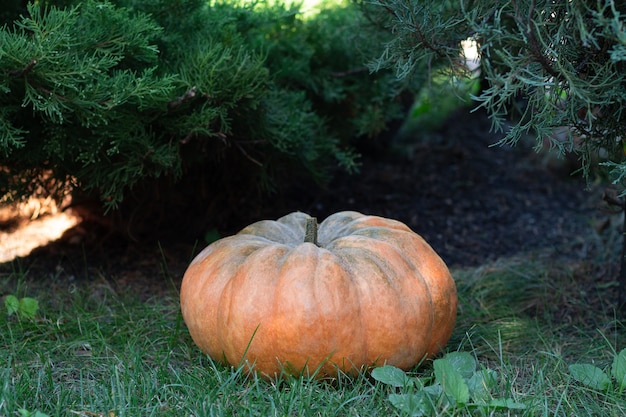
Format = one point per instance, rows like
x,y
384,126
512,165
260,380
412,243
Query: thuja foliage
x,y
560,65
106,97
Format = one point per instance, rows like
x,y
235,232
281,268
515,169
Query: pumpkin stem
x,y
310,230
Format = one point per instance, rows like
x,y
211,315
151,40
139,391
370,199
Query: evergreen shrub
x,y
553,70
162,107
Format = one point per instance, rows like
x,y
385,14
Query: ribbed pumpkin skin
x,y
372,292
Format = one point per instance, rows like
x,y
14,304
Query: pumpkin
x,y
288,295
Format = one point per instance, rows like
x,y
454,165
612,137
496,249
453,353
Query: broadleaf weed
x,y
23,308
457,383
596,378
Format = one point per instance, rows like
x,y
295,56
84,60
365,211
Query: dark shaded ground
x,y
473,203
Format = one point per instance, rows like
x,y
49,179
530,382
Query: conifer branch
x,y
25,70
419,35
188,96
50,93
533,44
416,31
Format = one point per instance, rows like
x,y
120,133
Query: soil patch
x,y
472,201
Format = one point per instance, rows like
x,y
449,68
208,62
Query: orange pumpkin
x,y
360,291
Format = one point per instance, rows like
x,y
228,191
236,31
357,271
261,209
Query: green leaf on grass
x,y
434,391
463,362
28,307
12,304
417,404
618,369
24,307
590,375
393,376
454,386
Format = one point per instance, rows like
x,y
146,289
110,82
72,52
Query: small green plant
x,y
596,378
24,308
457,383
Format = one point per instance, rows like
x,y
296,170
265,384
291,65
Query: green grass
x,y
94,350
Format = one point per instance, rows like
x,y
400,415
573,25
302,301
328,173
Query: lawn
x,y
94,350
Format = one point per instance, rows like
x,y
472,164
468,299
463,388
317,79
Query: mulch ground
x,y
473,202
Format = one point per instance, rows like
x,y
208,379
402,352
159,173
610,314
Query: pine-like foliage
x,y
79,98
564,61
120,99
